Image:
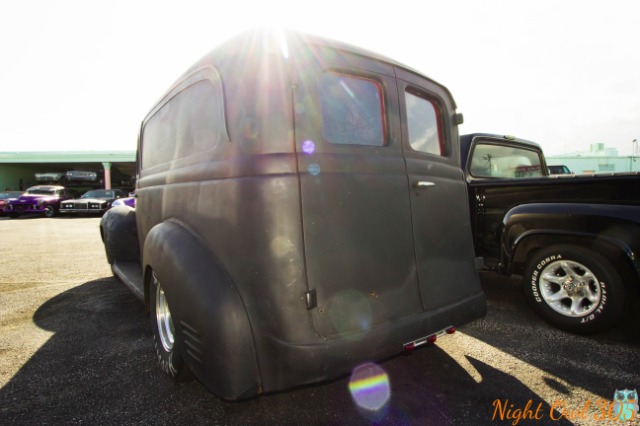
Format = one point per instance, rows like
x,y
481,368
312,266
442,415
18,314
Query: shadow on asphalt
x,y
578,359
99,368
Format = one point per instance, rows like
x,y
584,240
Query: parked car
x,y
289,220
118,179
74,177
43,199
70,177
128,201
6,195
49,177
560,169
96,201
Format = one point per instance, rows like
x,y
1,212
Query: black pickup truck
x,y
574,239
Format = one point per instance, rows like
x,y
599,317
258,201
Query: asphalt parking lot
x,y
76,348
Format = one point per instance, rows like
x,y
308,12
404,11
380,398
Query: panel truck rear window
x,y
352,110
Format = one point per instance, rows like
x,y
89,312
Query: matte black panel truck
x,y
574,239
300,210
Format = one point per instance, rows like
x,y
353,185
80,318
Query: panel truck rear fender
x,y
119,234
208,319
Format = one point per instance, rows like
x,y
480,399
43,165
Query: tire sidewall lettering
x,y
534,286
603,298
600,309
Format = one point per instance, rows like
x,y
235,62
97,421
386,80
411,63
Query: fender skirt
x,y
120,235
208,314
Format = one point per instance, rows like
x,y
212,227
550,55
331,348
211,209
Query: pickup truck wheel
x,y
50,211
164,334
574,288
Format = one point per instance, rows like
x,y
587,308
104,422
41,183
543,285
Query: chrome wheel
x,y
570,288
163,317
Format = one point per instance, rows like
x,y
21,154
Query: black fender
x,y
614,227
208,312
119,234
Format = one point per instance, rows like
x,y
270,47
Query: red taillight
x,y
408,347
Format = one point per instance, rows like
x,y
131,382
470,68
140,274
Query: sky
x,y
81,75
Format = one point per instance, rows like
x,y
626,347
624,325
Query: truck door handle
x,y
423,184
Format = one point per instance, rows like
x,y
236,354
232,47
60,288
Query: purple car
x,y
43,199
127,201
4,198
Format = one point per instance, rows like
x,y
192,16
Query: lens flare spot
x,y
281,246
314,169
299,108
369,387
350,313
308,147
365,323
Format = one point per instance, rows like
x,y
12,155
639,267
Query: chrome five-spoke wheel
x,y
163,317
570,288
575,288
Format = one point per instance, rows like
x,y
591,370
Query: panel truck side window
x,y
424,125
352,110
190,123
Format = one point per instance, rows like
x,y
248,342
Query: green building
x,y
18,169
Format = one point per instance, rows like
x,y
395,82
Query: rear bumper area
x,y
286,365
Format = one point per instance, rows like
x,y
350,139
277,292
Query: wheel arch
x,y
621,255
209,313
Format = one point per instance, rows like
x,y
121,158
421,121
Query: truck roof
x,y
276,48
